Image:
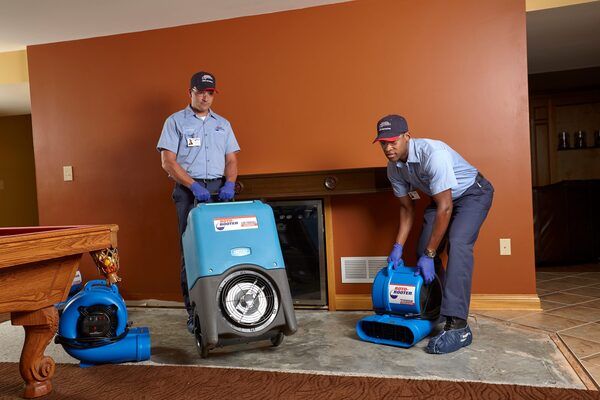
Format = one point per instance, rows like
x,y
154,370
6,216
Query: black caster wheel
x,y
277,339
202,350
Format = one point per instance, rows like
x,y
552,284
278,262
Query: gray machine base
x,y
212,328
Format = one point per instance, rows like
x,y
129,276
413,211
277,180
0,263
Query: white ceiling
x,y
28,22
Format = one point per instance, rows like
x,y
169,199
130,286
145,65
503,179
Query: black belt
x,y
480,180
201,180
205,180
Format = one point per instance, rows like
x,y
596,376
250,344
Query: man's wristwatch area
x,y
430,253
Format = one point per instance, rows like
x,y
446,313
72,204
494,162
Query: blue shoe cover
x,y
190,324
450,341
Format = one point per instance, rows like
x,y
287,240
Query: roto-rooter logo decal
x,y
385,126
235,223
402,294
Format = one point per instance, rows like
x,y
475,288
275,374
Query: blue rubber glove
x,y
200,192
227,191
396,255
426,269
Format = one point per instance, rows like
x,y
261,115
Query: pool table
x,y
37,267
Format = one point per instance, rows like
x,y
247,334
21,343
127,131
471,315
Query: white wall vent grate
x,y
361,269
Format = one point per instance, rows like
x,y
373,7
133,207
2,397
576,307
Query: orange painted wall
x,y
303,90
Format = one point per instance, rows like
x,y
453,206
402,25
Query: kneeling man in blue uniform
x,y
461,198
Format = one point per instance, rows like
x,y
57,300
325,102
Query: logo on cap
x,y
390,127
203,81
385,126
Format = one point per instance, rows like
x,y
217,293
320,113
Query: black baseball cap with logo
x,y
203,81
390,127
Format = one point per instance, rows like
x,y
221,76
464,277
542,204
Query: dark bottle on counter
x,y
580,140
597,138
563,140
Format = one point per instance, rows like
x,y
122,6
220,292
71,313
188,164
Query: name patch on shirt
x,y
414,195
194,142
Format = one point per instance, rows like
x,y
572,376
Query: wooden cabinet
x,y
551,114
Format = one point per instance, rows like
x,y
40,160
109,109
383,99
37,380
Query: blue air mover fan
x,y
76,286
236,275
406,309
93,328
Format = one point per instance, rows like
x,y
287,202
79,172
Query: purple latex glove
x,y
396,255
426,269
200,192
227,191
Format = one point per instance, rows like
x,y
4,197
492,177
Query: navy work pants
x,y
468,213
184,202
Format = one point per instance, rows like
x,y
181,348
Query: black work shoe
x,y
456,335
455,323
190,324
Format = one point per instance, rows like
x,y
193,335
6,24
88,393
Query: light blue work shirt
x,y
432,167
200,145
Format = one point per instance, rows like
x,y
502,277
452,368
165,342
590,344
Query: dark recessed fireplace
x,y
302,238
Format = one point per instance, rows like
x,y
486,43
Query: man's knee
x,y
460,241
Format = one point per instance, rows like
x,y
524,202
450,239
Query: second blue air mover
x,y
93,328
236,276
406,309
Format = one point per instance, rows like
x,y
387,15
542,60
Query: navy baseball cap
x,y
203,81
390,127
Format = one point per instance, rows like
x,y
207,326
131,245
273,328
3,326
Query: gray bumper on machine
x,y
217,331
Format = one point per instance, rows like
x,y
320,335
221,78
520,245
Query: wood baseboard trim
x,y
353,302
525,302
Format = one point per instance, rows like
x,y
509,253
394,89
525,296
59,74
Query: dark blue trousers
x,y
468,213
184,202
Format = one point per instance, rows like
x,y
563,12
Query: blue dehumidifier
x,y
406,309
93,328
236,276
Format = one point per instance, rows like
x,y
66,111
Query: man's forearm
x,y
406,221
231,171
442,219
177,173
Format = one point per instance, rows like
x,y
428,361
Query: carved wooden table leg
x,y
37,369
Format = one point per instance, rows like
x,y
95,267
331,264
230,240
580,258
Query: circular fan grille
x,y
248,301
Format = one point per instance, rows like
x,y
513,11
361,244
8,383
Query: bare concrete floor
x,y
327,342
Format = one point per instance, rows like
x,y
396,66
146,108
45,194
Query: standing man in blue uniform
x,y
461,198
198,150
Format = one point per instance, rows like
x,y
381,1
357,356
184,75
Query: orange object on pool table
x,y
37,267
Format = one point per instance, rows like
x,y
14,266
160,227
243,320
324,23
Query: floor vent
x,y
361,269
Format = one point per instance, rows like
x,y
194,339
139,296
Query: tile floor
x,y
570,308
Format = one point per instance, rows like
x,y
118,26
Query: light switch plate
x,y
67,173
505,247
